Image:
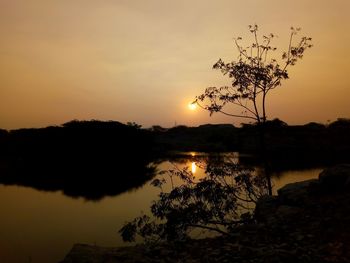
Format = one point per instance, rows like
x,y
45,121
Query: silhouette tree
x,y
221,200
253,76
218,203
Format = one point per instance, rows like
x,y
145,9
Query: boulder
x,y
82,253
288,212
336,178
296,194
266,208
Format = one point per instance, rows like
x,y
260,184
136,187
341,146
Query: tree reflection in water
x,y
217,202
89,179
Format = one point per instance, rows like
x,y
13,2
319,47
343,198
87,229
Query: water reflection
x,y
94,180
43,225
87,179
193,167
286,172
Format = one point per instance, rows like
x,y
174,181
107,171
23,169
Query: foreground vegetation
x,y
307,222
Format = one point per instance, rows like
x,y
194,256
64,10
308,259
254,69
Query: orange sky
x,y
143,61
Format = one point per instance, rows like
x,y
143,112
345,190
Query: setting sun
x,y
228,123
192,106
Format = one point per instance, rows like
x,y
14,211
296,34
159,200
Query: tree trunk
x,y
263,155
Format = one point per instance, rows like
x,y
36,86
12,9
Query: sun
x,y
192,106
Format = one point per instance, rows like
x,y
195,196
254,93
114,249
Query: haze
x,y
144,61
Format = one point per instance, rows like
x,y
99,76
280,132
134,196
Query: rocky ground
x,y
307,222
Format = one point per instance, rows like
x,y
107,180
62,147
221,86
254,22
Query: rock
x,y
336,178
299,237
296,194
265,209
288,212
81,253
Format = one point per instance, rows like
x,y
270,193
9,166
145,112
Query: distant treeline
x,y
223,137
110,139
113,139
96,158
310,143
82,158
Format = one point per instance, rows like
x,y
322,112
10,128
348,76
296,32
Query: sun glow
x,y
192,106
193,167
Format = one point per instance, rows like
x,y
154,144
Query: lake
x,y
42,226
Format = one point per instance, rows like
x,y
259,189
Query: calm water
x,y
37,226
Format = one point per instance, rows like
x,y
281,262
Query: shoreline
x,y
307,221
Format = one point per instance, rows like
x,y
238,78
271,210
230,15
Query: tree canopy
x,y
254,74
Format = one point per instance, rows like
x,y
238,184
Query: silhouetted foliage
x,y
3,142
218,202
3,133
254,74
340,123
91,159
275,124
134,124
208,137
157,128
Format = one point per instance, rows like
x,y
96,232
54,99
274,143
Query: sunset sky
x,y
145,60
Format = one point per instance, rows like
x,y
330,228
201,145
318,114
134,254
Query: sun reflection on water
x,y
193,167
